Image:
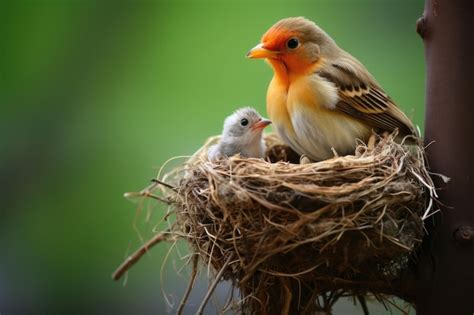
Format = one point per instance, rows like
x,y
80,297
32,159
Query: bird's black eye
x,y
244,121
293,43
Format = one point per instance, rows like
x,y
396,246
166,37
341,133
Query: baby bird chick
x,y
242,134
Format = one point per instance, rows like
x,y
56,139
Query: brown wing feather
x,y
365,100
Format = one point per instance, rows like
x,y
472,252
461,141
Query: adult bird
x,y
320,96
242,134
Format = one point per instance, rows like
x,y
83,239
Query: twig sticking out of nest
x,y
135,257
301,235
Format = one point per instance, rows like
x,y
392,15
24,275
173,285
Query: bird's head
x,y
295,42
244,126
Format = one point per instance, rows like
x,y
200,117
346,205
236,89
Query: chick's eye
x,y
292,43
244,121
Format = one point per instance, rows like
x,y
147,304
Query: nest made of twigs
x,y
275,227
347,219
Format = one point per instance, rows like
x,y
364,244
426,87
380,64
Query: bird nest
x,y
295,237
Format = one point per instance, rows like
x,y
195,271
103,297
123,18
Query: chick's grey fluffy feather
x,y
237,138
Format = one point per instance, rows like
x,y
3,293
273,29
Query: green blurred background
x,y
95,96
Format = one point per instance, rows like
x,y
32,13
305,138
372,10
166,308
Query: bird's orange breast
x,y
303,113
288,90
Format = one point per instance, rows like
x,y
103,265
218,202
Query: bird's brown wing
x,y
362,98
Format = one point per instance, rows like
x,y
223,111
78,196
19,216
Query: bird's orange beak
x,y
261,124
259,52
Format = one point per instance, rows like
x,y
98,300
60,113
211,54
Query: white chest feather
x,y
318,132
317,126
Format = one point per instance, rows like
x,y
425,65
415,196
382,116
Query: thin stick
x,y
213,286
149,194
190,285
363,304
145,193
163,183
132,259
285,309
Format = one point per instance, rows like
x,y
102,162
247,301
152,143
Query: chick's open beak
x,y
261,124
259,52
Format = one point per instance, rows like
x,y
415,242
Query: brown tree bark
x,y
445,281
